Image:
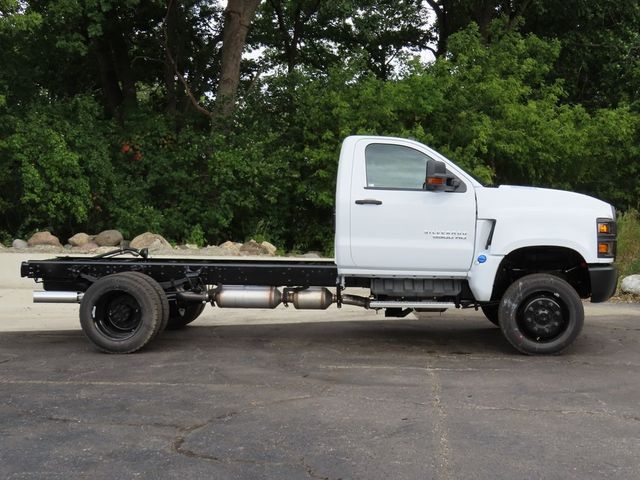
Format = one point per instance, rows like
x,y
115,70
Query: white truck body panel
x,y
412,232
437,234
539,216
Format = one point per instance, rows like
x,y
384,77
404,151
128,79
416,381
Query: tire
x,y
491,312
161,293
121,314
182,315
541,314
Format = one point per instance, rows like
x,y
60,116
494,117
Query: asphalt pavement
x,y
323,395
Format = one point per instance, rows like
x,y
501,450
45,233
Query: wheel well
x,y
563,262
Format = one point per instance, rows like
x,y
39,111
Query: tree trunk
x,y
168,66
108,78
237,18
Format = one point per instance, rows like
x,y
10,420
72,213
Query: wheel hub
x,y
118,316
121,315
542,318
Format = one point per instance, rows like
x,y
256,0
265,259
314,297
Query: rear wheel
x,y
162,295
121,314
180,315
541,314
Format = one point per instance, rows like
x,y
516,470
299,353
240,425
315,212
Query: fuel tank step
x,y
400,304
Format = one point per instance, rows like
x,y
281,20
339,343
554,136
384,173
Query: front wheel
x,y
541,314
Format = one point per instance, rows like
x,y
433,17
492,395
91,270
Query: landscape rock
x,y
19,244
152,241
80,239
253,248
630,284
271,249
231,248
44,238
108,238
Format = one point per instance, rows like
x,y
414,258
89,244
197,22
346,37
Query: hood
x,y
509,200
526,216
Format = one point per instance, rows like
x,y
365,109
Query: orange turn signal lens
x,y
435,181
603,247
604,228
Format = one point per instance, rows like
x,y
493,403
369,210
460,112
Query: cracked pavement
x,y
440,397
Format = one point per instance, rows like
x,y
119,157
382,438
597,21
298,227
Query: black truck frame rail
x,y
79,273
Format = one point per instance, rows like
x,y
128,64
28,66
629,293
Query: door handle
x,y
369,201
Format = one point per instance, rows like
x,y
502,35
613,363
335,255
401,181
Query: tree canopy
x,y
196,119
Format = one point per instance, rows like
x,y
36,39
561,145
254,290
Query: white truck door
x,y
396,225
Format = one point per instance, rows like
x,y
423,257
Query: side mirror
x,y
437,178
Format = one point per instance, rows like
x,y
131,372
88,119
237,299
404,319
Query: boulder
x,y
253,248
231,248
108,238
152,241
44,238
630,284
19,244
270,248
80,239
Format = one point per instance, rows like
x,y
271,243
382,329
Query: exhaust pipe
x,y
57,297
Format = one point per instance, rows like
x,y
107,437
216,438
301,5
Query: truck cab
x,y
420,227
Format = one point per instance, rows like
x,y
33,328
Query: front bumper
x,y
604,279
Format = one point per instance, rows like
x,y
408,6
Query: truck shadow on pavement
x,y
445,337
441,336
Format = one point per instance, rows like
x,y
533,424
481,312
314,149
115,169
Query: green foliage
x,y
628,257
600,60
43,178
495,103
196,236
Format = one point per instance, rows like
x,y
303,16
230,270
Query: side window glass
x,y
394,166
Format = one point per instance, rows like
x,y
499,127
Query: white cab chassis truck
x,y
415,230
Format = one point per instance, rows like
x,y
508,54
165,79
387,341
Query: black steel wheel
x,y
180,315
161,294
491,312
541,314
120,313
